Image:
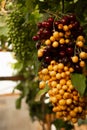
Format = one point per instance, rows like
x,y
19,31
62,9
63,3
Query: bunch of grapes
x,y
60,49
18,33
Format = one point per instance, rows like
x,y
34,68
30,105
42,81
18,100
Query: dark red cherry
x,y
35,38
72,17
70,51
39,25
48,59
62,53
71,44
62,47
51,19
65,20
77,68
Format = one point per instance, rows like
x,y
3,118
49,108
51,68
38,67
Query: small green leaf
x,y
18,103
79,82
41,92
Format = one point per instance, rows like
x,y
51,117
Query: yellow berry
x,y
62,81
60,66
63,74
83,55
40,53
53,84
62,41
82,64
58,75
61,34
79,43
75,59
56,35
72,113
65,28
42,84
55,44
80,38
59,86
52,73
64,87
45,71
69,101
71,69
48,42
74,120
60,26
52,38
61,91
62,102
66,68
50,67
53,99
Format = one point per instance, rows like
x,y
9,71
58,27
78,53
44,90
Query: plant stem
x,y
62,6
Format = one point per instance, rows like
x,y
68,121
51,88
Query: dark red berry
x,y
35,38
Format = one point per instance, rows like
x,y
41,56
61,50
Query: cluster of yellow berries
x,y
67,103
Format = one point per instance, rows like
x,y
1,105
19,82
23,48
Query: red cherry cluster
x,y
60,49
45,29
61,40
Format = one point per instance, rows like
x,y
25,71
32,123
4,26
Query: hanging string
x,y
62,6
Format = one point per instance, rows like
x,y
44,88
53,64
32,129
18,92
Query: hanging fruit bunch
x,y
60,49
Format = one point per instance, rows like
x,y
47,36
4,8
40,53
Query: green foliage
x,y
59,123
22,21
79,82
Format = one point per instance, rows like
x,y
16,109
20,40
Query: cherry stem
x,y
62,6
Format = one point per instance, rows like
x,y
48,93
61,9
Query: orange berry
x,y
62,102
53,99
74,120
58,76
80,38
40,53
59,86
50,67
75,59
55,44
52,73
53,84
72,113
45,71
65,28
61,91
62,41
42,84
62,81
56,35
66,68
60,26
52,38
63,74
82,64
48,42
79,43
60,66
71,69
69,101
61,34
83,55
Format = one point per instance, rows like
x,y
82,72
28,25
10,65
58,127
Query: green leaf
x,y
59,123
41,92
79,82
18,103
